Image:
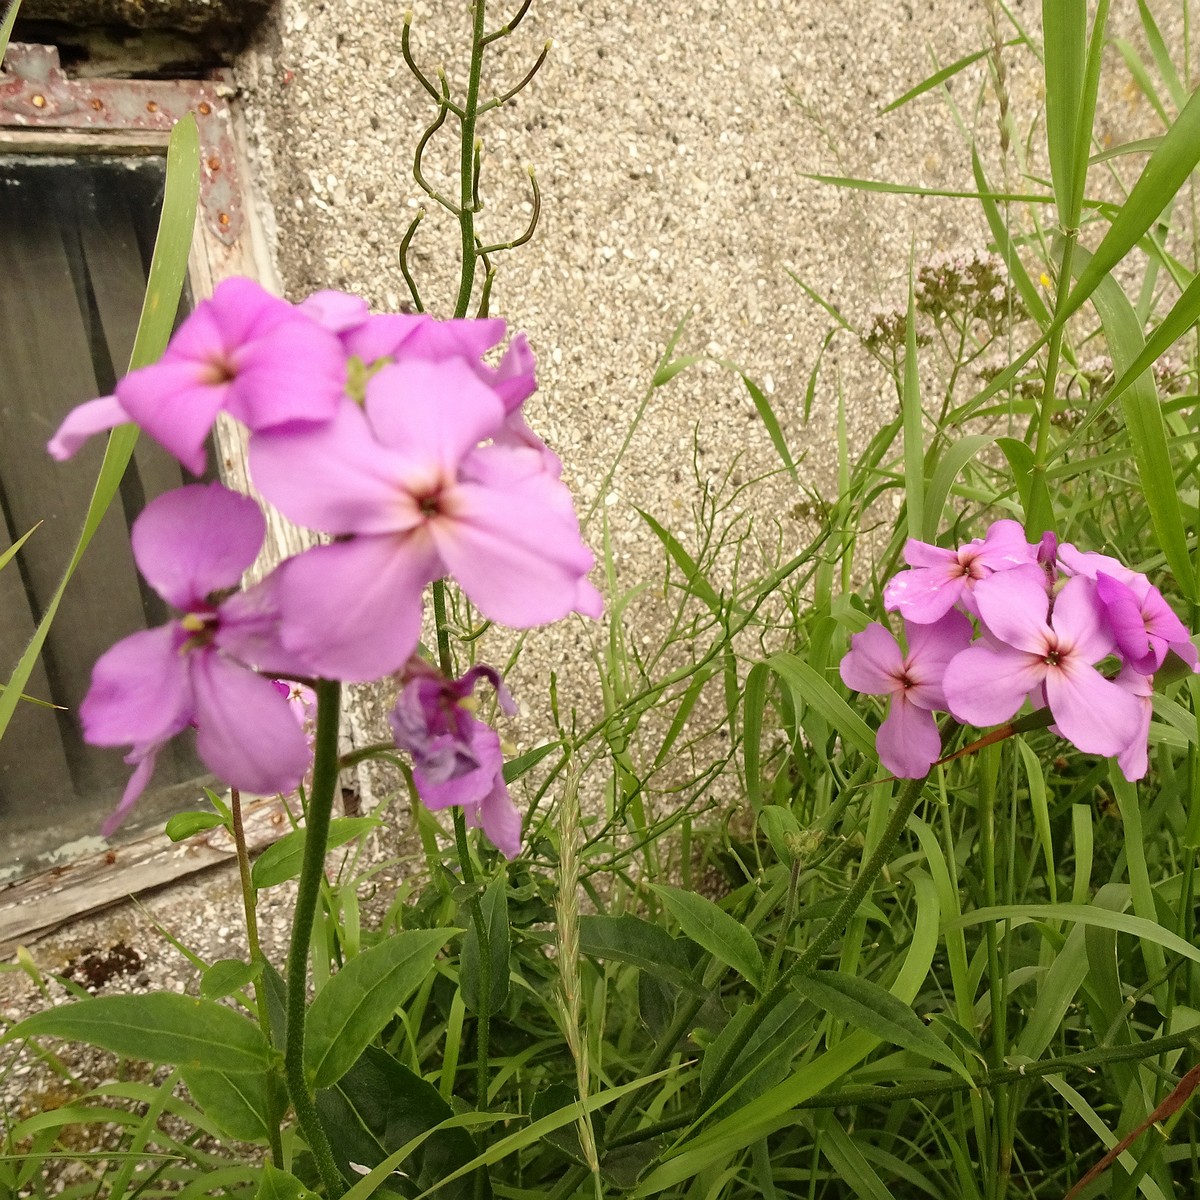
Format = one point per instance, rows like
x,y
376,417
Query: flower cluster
x,y
390,433
998,622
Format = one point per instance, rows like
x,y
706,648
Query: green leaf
x,y
238,1103
8,555
770,423
1020,462
168,270
940,77
281,1185
697,584
944,475
1144,424
668,370
494,906
516,767
362,998
711,927
809,687
782,830
914,432
228,975
378,1107
161,1027
868,1006
640,943
1064,30
888,188
6,25
187,824
282,861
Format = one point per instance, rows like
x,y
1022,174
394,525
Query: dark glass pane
x,y
76,237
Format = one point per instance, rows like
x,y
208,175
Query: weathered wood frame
x,y
42,111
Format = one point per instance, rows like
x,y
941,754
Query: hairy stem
x,y
320,810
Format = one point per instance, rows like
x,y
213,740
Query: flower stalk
x,y
320,811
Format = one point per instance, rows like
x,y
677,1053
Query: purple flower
x,y
193,545
456,757
1134,760
940,578
405,485
1142,622
908,741
1033,651
244,352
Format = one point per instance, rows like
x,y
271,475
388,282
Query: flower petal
x,y
874,664
985,686
141,694
501,819
175,403
197,540
335,477
352,610
1090,711
519,559
433,412
143,770
245,731
96,416
1124,617
908,741
1014,605
1078,621
925,594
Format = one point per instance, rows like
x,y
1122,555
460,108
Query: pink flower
x,y
244,352
193,545
1142,622
1034,651
908,741
405,485
941,579
1134,760
456,757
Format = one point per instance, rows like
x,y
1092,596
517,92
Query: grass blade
x,y
6,25
168,270
1064,29
940,77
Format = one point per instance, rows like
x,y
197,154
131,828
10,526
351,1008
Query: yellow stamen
x,y
192,623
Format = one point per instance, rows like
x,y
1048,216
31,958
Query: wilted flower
x,y
456,757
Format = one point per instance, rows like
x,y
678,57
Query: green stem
x,y
832,928
466,164
250,905
320,811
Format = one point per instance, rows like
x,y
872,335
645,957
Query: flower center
x,y
202,627
217,372
1052,659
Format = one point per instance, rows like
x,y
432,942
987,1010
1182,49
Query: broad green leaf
x,y
187,824
237,1103
697,584
161,1027
168,270
281,1185
362,998
283,859
516,767
868,1006
640,943
379,1106
228,975
494,906
711,927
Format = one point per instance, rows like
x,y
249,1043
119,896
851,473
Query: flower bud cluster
x,y
998,622
393,435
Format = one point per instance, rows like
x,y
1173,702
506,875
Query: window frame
x,y
44,111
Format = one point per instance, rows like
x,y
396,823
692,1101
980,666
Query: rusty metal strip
x,y
35,93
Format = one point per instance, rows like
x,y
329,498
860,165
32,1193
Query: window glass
x,y
77,239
